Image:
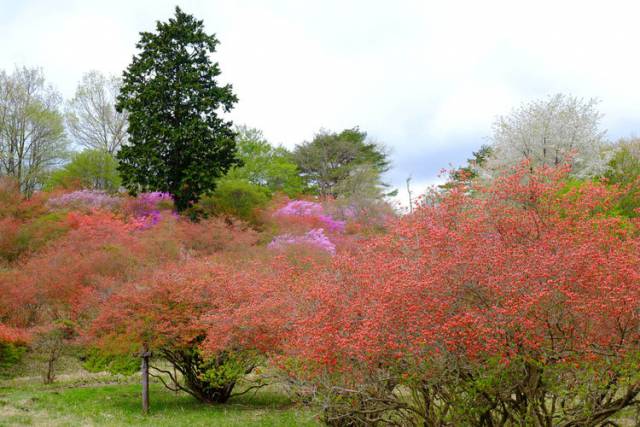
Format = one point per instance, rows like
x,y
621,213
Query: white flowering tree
x,y
550,132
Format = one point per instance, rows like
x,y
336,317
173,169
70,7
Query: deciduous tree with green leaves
x,y
90,169
624,170
265,165
330,158
178,141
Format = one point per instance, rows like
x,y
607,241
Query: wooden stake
x,y
144,370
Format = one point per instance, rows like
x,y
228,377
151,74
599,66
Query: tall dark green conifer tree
x,y
178,142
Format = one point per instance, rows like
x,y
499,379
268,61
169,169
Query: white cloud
x,y
425,77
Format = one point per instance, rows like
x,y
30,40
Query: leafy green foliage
x,y
331,158
210,378
624,170
265,165
178,142
90,169
235,198
97,360
464,174
10,355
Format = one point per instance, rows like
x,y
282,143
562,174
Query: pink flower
x,y
303,208
91,199
315,237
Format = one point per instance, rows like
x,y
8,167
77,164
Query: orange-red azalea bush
x,y
515,303
210,318
52,292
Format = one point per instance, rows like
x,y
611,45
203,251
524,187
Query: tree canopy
x,y
265,165
32,139
179,143
551,132
89,169
91,116
330,158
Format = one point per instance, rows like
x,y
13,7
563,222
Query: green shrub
x,y
99,361
90,169
236,198
18,238
35,234
10,355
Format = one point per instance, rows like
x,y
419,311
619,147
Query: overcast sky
x,y
425,78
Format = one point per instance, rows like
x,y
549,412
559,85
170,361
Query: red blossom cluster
x,y
519,267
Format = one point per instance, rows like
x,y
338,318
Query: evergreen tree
x,y
178,143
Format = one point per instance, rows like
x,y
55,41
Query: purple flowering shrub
x,y
144,211
301,208
146,208
147,203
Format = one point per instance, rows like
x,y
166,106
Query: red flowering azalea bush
x,y
212,235
187,314
59,264
514,303
55,292
57,285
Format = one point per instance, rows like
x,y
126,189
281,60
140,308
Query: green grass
x,y
119,404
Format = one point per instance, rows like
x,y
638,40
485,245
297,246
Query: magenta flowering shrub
x,y
88,199
312,210
155,197
334,225
143,211
146,204
315,237
147,221
145,208
312,215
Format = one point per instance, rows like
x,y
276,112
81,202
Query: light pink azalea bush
x,y
308,224
315,238
88,199
311,210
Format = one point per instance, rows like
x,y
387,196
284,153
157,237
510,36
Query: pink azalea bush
x,y
313,210
308,215
315,238
143,211
88,199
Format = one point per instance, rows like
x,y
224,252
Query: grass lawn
x,y
119,404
